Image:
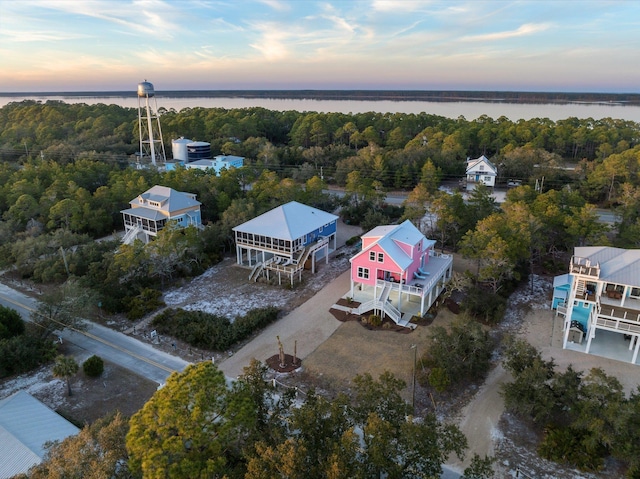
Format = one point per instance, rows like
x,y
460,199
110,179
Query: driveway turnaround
x,y
304,328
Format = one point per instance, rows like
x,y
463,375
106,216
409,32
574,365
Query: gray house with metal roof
x,y
283,240
600,302
151,211
25,426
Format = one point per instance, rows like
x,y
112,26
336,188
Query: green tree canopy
x,y
183,430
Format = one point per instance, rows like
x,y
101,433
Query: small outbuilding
x,y
26,425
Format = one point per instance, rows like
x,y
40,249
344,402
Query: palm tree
x,y
65,367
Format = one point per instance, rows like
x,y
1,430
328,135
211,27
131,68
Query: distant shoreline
x,y
368,95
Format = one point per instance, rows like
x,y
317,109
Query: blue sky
x,y
104,45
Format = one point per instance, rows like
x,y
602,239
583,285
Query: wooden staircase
x,y
381,303
255,272
131,235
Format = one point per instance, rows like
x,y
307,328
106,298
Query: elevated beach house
x,y
397,273
600,301
151,211
480,170
282,241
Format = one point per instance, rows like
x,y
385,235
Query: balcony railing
x,y
584,267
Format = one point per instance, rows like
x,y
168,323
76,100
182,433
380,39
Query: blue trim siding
x,y
323,231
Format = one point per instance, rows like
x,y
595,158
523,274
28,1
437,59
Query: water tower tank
x,y
179,149
145,89
198,150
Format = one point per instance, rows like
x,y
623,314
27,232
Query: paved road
x,y
115,347
397,198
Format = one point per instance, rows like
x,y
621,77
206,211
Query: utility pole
x,y
413,380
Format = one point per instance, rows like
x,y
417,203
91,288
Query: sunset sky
x,y
108,45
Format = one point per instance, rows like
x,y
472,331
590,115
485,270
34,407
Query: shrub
x,y
243,326
462,352
146,302
11,323
23,353
484,305
572,446
375,320
351,241
93,367
210,331
439,379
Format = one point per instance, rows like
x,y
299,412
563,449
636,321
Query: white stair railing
x,y
131,235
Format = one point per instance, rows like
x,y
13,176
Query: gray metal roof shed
x,y
26,425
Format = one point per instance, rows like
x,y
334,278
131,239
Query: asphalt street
x,y
113,346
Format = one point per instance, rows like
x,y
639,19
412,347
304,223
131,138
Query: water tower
x,y
151,144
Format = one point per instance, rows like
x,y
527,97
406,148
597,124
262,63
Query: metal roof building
x,y
151,210
26,425
281,240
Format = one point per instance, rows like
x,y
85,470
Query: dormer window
x,y
481,167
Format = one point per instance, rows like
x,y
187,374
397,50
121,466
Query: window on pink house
x,y
372,255
363,272
380,257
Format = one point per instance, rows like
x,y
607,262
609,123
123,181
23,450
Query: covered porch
x,y
607,344
612,331
403,300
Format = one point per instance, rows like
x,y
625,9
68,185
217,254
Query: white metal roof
x,y
26,425
473,165
390,235
287,222
617,265
169,199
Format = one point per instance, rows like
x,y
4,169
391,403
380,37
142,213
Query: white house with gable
x,y
480,170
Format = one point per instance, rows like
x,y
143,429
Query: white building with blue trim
x,y
480,171
600,301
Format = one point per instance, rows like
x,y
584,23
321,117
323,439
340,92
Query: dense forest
x,y
66,172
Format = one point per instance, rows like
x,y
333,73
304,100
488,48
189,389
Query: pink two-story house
x,y
397,273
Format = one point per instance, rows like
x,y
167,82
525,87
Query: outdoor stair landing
x,y
404,321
